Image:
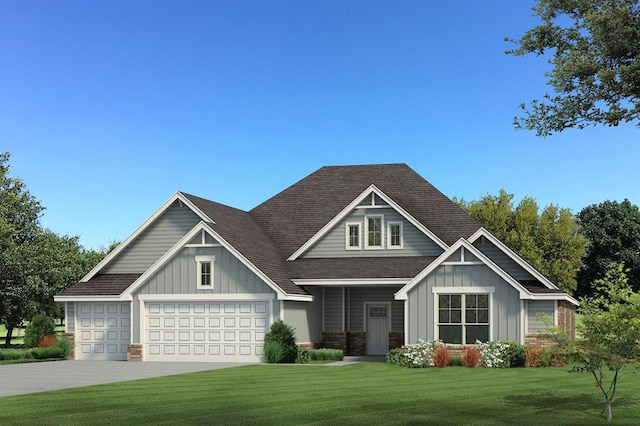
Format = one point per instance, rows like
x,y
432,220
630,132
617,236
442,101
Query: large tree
x,y
613,231
548,240
594,48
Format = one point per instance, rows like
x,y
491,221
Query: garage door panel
x,y
103,332
215,331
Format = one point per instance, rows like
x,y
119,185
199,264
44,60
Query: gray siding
x,y
415,243
306,317
505,317
155,241
333,308
457,256
536,307
70,317
357,296
502,260
179,276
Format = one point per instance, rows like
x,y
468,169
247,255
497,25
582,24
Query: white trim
x,y
348,235
204,245
178,196
482,232
352,281
298,298
462,263
344,310
323,306
351,206
91,299
523,320
200,260
365,314
554,296
389,235
406,322
367,246
259,297
463,290
281,313
555,312
142,314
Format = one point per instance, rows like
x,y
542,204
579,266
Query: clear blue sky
x,y
109,107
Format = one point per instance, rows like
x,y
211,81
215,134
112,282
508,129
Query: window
x,y
204,271
373,231
394,238
352,236
463,318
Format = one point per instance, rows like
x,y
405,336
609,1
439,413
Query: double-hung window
x,y
463,318
204,271
374,234
352,231
394,235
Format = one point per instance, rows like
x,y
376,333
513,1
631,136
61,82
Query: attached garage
x,y
225,331
102,330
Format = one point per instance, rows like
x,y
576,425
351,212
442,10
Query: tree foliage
x,y
595,64
547,240
613,231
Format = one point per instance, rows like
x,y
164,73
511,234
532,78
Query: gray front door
x,y
377,329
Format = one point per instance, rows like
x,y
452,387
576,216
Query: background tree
x,y
549,240
595,67
613,231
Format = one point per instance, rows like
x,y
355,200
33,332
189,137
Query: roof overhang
x,y
118,298
352,282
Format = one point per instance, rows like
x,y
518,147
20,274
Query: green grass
x,y
359,394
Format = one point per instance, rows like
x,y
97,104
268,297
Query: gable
x,y
154,241
501,259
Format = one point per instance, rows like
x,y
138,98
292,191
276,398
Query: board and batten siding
x,y
70,317
332,244
502,260
154,241
535,310
505,316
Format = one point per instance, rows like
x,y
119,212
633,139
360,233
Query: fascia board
x,y
178,196
483,232
352,282
351,206
119,298
552,296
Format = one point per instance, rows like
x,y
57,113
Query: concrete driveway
x,y
17,379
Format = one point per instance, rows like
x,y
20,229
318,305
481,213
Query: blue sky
x,y
109,107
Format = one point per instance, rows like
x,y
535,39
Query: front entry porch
x,y
354,343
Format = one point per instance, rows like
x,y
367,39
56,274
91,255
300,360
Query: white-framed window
x,y
204,271
463,318
352,233
373,231
394,235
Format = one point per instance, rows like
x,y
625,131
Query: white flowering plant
x,y
421,354
502,354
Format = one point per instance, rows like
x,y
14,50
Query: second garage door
x,y
213,331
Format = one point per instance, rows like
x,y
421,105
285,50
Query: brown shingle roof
x,y
294,215
102,285
359,267
536,287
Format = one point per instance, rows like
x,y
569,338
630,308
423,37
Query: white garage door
x,y
102,331
213,331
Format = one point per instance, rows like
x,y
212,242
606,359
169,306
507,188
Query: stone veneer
x,y
134,352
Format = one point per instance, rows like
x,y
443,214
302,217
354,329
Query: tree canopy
x,y
613,231
547,240
595,64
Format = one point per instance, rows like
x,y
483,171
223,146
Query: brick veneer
x,y
134,352
72,338
335,340
567,318
396,339
355,342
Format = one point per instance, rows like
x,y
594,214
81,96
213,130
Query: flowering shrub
x,y
441,356
501,354
421,355
471,356
545,357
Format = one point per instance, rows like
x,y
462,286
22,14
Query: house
x,y
363,258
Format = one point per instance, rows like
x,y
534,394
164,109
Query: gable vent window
x,y
394,235
353,236
374,232
205,271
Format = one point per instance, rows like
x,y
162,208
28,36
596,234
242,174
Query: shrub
x,y
532,357
503,354
513,354
471,356
285,335
10,354
47,353
441,357
47,340
303,356
272,352
421,355
66,347
455,361
398,356
38,327
545,357
326,354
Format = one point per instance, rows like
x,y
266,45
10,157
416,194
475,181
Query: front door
x,y
377,329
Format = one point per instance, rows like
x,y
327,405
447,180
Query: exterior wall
x,y
333,309
70,317
306,317
155,241
356,298
502,260
457,256
567,318
415,243
535,308
505,315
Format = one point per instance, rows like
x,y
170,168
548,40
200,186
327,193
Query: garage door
x,y
102,331
219,331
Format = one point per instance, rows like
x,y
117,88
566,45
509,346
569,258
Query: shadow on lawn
x,y
549,402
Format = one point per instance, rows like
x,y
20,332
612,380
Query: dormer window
x,y
352,236
373,231
394,235
204,271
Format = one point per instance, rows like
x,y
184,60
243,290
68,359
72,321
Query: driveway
x,y
17,379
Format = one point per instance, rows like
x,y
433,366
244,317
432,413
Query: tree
x,y
549,240
595,67
613,231
610,333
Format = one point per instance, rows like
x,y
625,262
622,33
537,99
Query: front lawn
x,y
366,393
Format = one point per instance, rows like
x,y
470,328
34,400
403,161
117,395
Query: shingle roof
x,y
358,267
536,287
102,285
294,215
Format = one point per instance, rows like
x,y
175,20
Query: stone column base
x,y
134,352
